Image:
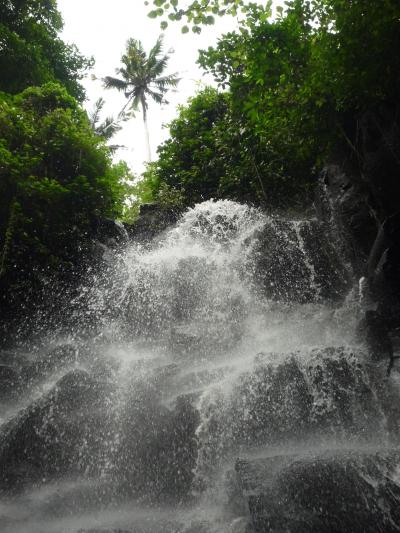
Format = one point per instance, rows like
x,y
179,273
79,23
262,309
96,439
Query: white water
x,y
187,325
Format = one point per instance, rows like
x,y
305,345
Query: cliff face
x,y
361,200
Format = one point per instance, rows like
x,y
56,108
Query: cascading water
x,y
215,380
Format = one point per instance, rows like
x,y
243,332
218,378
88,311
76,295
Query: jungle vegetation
x,y
290,90
57,178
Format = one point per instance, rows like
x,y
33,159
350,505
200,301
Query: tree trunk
x,y
9,236
146,128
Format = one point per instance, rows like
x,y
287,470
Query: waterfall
x,y
212,377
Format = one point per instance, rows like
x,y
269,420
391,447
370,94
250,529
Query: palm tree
x,y
141,78
108,127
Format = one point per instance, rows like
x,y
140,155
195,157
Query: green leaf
x,y
164,25
184,29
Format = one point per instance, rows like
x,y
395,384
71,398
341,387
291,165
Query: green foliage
x,y
187,161
266,66
359,42
56,171
213,153
200,13
296,88
316,62
31,53
148,190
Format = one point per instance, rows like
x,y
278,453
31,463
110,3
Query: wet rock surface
x,y
153,219
132,422
358,201
65,431
9,382
339,492
157,448
282,398
296,262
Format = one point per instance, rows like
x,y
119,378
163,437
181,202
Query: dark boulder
x,y
328,394
157,445
359,202
339,492
153,219
9,382
109,232
64,432
51,361
294,261
342,205
285,397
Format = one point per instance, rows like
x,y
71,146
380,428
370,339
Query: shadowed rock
x,y
351,492
9,382
157,446
296,262
64,432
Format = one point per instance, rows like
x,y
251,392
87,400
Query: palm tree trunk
x,y
146,128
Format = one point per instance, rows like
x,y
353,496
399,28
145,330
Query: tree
x,y
189,160
214,152
31,53
200,12
297,89
141,78
56,179
106,128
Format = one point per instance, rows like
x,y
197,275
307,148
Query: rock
x,y
153,219
342,205
96,530
339,492
358,200
54,360
110,232
294,261
9,382
157,445
64,432
272,402
284,397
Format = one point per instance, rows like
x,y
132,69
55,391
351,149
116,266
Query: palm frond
x,y
132,105
156,68
108,128
109,82
94,115
156,96
114,147
164,82
156,50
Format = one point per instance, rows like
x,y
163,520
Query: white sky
x,y
100,28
